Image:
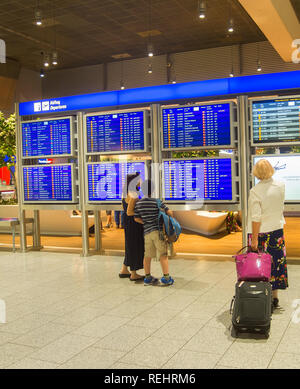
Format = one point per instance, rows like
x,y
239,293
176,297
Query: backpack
x,y
171,229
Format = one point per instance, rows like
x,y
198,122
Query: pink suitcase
x,y
253,266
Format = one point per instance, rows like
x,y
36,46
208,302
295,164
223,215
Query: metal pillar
x,y
36,231
81,165
22,215
98,236
155,148
244,164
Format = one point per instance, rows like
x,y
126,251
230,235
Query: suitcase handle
x,y
232,301
249,250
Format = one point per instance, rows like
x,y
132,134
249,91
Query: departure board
x,y
276,121
198,179
106,180
47,138
116,132
197,126
287,170
46,184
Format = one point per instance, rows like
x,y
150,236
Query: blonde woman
x,y
266,221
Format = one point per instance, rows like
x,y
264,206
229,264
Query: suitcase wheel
x,y
267,333
234,332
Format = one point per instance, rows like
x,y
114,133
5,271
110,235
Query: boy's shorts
x,y
153,243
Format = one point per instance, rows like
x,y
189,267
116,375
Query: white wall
x,y
189,66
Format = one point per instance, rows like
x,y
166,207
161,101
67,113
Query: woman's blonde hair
x,y
263,170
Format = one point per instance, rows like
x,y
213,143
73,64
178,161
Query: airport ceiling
x,y
296,6
88,32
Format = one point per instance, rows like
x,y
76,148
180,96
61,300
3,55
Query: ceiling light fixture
x,y
42,73
231,74
150,68
54,58
230,26
38,18
46,61
150,50
150,45
122,85
201,9
258,67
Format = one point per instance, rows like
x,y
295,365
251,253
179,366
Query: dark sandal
x,y
275,302
124,275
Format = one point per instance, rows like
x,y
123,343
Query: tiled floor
x,y
65,311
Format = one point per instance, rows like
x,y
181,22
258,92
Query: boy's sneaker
x,y
150,281
166,281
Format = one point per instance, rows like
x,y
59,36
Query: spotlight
x,y
231,74
38,17
202,9
259,69
150,50
42,73
150,68
54,58
46,61
122,85
230,27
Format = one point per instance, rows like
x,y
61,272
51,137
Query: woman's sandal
x,y
275,302
124,275
137,279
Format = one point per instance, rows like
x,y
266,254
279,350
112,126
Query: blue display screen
x,y
201,179
196,126
51,183
276,121
115,132
46,138
106,180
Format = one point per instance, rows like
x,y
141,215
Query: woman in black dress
x,y
134,234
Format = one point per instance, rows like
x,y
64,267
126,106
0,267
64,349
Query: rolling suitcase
x,y
251,307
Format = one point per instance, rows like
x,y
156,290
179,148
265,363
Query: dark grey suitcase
x,y
252,307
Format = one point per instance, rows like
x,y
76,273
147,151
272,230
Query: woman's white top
x,y
265,205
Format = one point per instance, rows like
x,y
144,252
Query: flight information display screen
x,y
276,121
106,180
48,183
287,170
197,126
198,179
46,138
116,132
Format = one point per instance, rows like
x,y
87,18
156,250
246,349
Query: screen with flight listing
x,y
116,132
106,179
276,122
47,138
197,126
198,179
48,183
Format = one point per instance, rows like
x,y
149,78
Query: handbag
x,y
252,266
